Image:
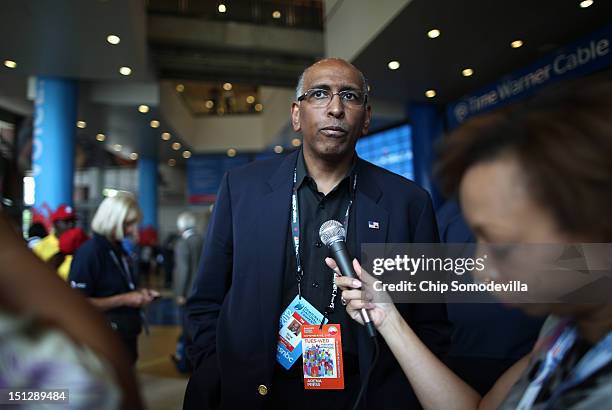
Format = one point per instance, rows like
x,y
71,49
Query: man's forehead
x,y
333,72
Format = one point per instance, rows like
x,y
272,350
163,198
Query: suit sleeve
x,y
181,267
213,278
429,320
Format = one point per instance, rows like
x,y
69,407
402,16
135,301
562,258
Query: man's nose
x,y
335,107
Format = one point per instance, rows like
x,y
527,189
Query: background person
x,y
537,174
102,270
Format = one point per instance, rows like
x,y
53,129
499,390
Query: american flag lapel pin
x,y
373,225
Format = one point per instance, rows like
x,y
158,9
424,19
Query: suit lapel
x,y
273,225
372,226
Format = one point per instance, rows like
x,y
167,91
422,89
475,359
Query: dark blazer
x,y
234,311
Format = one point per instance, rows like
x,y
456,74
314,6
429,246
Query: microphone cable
x,y
364,385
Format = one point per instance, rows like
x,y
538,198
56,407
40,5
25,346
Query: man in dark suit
x,y
260,255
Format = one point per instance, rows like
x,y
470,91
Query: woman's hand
x,y
358,294
139,298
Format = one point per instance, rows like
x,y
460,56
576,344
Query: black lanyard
x,y
125,269
295,233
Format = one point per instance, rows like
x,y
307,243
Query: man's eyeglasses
x,y
319,97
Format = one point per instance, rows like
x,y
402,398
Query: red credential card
x,y
322,357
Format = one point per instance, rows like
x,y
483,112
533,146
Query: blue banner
x,y
577,59
204,174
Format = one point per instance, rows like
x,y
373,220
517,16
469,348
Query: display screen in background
x,y
390,149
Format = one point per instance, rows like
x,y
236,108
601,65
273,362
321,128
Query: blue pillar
x,y
55,115
147,190
427,127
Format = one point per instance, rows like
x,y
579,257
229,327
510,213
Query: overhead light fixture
x,y
186,154
81,124
180,88
250,99
143,108
172,162
258,107
134,156
125,70
433,33
278,149
296,142
113,39
117,147
154,124
467,72
165,136
586,3
10,64
430,93
176,146
276,14
516,44
227,86
393,65
100,137
231,152
209,104
222,8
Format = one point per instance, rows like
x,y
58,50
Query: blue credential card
x,y
298,313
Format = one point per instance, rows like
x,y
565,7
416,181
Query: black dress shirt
x,y
315,208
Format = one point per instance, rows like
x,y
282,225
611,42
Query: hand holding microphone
x,y
333,235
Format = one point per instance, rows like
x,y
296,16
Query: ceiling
x,y
174,40
474,34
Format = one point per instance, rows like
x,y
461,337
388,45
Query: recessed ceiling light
x,y
278,149
154,124
258,107
180,88
586,3
231,152
209,104
100,137
117,147
125,70
143,108
250,99
186,154
467,72
165,136
296,142
81,124
134,156
222,8
172,162
113,39
433,33
430,93
227,86
276,14
176,146
393,65
516,44
10,64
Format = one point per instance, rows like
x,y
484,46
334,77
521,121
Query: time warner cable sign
x,y
585,56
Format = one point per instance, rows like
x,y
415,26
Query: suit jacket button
x,y
262,390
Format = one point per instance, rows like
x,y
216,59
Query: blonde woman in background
x,y
102,270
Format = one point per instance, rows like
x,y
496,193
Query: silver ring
x,y
343,301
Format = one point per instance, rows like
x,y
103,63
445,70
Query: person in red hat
x,y
47,249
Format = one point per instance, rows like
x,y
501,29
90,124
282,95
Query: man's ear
x,y
366,122
295,117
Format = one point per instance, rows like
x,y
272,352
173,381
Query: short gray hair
x,y
186,220
299,89
112,213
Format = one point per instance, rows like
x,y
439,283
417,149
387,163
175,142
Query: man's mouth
x,y
333,131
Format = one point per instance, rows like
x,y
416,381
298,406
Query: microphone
x,y
333,235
